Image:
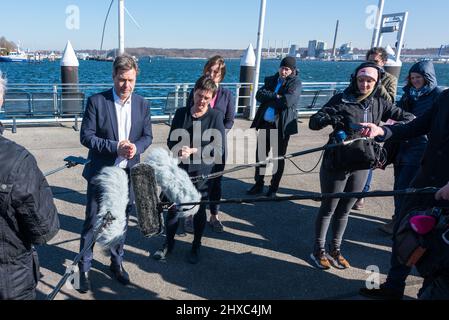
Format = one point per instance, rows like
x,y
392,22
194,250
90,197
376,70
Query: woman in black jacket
x,y
188,129
224,102
360,102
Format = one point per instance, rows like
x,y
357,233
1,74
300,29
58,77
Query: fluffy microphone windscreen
x,y
112,183
145,192
174,181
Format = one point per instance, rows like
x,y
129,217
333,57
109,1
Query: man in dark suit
x,y
117,129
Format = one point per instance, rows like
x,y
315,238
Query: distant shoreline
x,y
228,53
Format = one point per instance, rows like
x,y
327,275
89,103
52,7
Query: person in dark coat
x,y
433,172
223,101
420,93
116,129
185,124
387,90
276,119
359,102
28,217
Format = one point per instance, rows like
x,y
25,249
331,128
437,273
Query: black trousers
x,y
214,188
267,139
199,224
199,219
398,272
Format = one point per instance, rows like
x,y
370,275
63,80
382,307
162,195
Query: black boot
x,y
271,192
381,293
255,189
194,255
119,273
84,282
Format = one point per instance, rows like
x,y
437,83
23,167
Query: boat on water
x,y
14,56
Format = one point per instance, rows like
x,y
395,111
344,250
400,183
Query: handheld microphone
x,y
340,136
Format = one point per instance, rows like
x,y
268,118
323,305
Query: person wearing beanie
x,y
345,169
289,62
276,120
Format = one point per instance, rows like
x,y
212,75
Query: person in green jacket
x,y
379,56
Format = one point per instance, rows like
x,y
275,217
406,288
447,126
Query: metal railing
x,y
58,102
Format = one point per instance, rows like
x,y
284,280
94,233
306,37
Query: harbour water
x,y
23,77
188,70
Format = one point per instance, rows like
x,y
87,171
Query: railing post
x,y
237,96
55,99
176,103
75,126
185,94
14,125
177,96
31,103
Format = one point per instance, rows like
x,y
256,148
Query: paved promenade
x,y
263,253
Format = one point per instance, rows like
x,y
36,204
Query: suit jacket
x,y
99,132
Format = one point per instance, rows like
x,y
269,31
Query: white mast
x,y
380,10
263,5
121,27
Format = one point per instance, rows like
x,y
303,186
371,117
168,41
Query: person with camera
x,y
433,172
387,90
345,168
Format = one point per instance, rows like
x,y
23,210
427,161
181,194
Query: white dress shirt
x,y
123,112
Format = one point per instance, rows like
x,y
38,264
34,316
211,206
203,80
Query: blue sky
x,y
215,24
